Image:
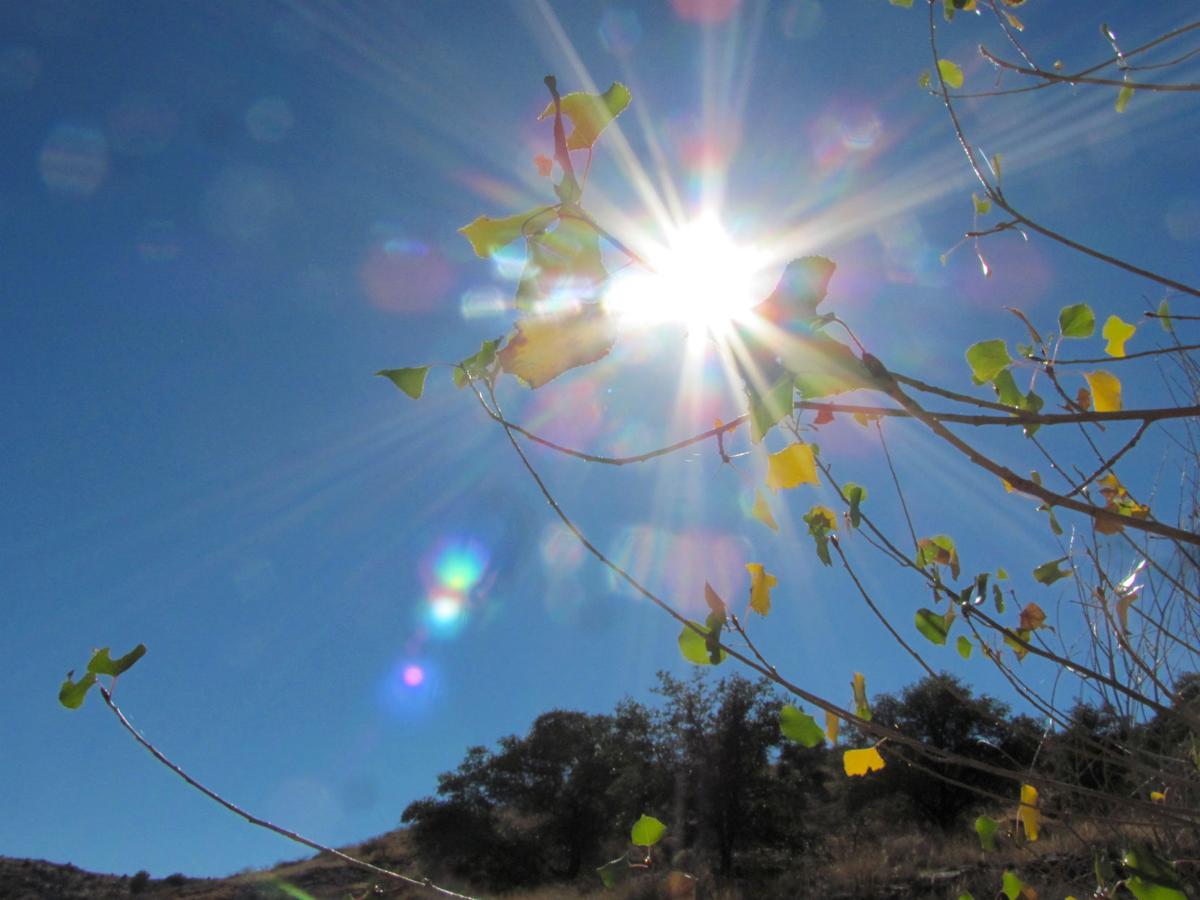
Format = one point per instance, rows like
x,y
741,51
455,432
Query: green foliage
x,y
647,831
73,693
987,359
985,827
1049,572
410,380
1077,321
934,626
800,727
1151,877
695,647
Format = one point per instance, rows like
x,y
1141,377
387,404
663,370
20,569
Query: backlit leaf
x,y
563,268
860,762
647,831
855,494
1014,21
832,724
761,511
821,366
761,583
102,664
1106,390
951,73
983,205
411,381
1052,571
988,359
715,604
72,692
487,235
1032,617
985,827
791,467
1077,321
477,365
1116,332
768,409
1018,648
543,347
925,81
862,708
694,647
821,521
589,114
1164,317
801,288
1028,812
933,625
939,549
1124,95
964,646
800,727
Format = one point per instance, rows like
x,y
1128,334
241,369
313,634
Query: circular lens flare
x,y
701,278
413,675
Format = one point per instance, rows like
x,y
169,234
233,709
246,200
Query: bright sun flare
x,y
701,278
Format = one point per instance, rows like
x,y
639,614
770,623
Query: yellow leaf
x,y
951,73
589,113
1008,488
791,467
832,724
762,512
1029,814
1117,332
1014,21
761,583
543,347
487,235
860,762
1106,390
1158,797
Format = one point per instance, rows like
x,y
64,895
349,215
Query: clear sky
x,y
218,220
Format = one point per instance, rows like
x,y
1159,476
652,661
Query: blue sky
x,y
217,221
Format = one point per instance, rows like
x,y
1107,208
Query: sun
x,y
701,277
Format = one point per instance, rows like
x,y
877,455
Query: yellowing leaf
x,y
762,512
487,235
1106,390
1029,814
543,347
860,762
1032,617
1014,21
563,267
791,467
832,724
1117,332
1158,797
951,73
1124,95
862,708
761,583
589,113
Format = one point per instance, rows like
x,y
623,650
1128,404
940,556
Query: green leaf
x,y
800,727
102,664
614,871
1151,877
767,410
694,647
985,827
939,549
562,267
821,521
1077,321
478,365
964,646
933,625
998,596
987,359
924,81
1123,97
907,4
487,235
951,73
983,205
1006,389
712,641
966,895
1164,317
1012,885
589,114
647,831
411,381
72,692
862,707
1052,571
855,494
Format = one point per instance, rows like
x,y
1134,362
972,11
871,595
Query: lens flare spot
x,y
413,675
707,12
484,302
403,275
445,609
460,565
